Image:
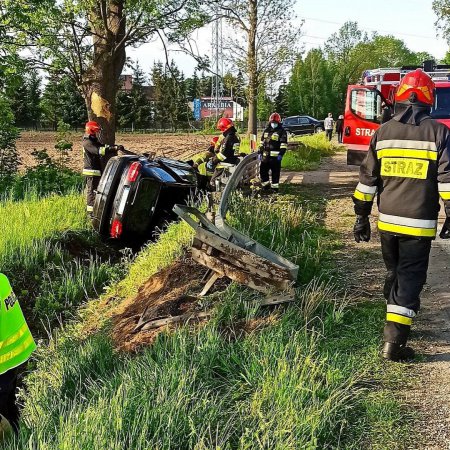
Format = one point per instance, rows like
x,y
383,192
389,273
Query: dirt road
x,y
428,394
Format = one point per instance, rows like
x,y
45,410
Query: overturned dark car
x,y
136,195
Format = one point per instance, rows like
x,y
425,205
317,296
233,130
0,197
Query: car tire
x,y
318,130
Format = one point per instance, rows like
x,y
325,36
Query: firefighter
x,y
272,149
16,346
226,149
200,163
96,155
408,168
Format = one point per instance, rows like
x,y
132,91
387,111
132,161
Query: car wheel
x,y
318,130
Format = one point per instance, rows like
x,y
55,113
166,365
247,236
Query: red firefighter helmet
x,y
214,140
416,86
92,127
275,117
224,124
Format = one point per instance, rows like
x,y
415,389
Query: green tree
x,y
133,108
263,43
281,103
193,87
310,86
61,101
9,160
87,40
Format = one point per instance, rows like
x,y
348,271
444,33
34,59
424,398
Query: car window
x,y
291,121
366,104
303,121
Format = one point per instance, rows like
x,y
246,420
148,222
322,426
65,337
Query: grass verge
x,y
311,149
52,257
291,377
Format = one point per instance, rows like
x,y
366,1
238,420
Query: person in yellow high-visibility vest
x,y
16,346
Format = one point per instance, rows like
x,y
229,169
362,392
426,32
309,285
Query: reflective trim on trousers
x,y
406,144
444,190
397,309
92,173
397,318
275,185
89,208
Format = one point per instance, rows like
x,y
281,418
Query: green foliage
x,y
308,154
62,101
250,377
134,108
53,259
318,82
9,160
46,177
170,108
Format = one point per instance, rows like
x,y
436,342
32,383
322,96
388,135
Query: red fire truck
x,y
366,102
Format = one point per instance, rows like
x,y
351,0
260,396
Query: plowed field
x,y
179,146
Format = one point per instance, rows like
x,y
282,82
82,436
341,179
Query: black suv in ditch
x,y
302,125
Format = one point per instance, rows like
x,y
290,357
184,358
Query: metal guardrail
x,y
228,252
248,168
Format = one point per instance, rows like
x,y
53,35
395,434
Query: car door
x,y
306,125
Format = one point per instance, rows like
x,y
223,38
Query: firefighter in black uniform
x,y
96,155
272,149
227,147
408,168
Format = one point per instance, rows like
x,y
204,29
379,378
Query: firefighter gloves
x,y
361,230
445,232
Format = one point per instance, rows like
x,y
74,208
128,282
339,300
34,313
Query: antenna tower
x,y
217,63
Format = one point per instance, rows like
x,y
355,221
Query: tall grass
x,y
285,378
49,252
311,149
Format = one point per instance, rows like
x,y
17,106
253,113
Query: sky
x,y
413,21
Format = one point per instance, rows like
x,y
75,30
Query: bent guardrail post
x,y
228,252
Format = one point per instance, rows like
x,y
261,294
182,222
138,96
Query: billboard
x,y
210,109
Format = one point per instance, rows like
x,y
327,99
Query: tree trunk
x,y
101,81
252,68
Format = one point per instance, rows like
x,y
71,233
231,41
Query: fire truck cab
x,y
371,103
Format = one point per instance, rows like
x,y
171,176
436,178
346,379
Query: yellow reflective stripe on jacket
x,y
16,341
407,226
407,153
221,156
89,208
444,190
91,173
392,317
16,336
25,348
406,144
275,153
102,151
283,146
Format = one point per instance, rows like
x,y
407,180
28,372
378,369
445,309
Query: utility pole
x,y
217,62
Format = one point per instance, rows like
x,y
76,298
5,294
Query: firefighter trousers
x,y
406,259
8,407
91,187
268,165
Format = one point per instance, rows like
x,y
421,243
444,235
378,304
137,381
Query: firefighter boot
x,y
397,352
